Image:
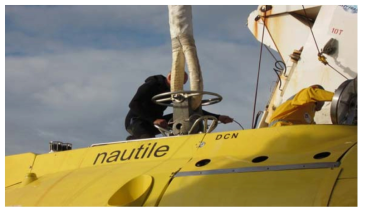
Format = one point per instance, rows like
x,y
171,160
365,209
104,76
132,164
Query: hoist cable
x,y
309,24
271,52
336,70
258,72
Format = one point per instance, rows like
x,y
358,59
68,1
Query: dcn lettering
x,y
226,136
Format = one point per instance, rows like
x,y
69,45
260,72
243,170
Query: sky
x,y
71,71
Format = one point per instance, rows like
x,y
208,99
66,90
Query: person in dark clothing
x,y
144,113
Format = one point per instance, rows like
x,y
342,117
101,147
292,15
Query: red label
x,y
337,31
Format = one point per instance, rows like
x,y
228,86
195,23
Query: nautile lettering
x,y
144,151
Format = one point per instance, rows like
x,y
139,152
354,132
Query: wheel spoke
x,y
180,96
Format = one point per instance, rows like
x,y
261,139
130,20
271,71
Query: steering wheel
x,y
205,119
164,132
180,96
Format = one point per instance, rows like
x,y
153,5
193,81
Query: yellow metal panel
x,y
133,193
92,176
17,166
349,164
282,145
31,193
345,193
304,187
137,151
101,172
93,186
58,161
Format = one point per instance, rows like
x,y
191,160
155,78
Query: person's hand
x,y
225,119
161,122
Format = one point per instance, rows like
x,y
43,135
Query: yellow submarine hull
x,y
304,165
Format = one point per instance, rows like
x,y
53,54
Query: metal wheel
x,y
205,120
180,96
164,132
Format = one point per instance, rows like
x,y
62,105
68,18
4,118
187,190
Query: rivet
x,y
201,144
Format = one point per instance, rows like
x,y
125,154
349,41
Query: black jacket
x,y
142,106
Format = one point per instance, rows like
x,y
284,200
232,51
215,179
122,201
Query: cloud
x,y
79,93
50,29
223,22
85,18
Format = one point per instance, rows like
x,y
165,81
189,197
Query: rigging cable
x,y
235,122
309,25
271,52
258,72
257,118
279,67
336,70
321,57
238,124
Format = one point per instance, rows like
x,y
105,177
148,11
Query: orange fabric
x,y
300,109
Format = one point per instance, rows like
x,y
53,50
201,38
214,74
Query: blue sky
x,y
70,71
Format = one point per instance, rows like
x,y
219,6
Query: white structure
x,y
288,28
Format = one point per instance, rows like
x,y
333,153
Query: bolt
x,y
201,144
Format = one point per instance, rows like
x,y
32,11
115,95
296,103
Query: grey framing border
x,y
261,169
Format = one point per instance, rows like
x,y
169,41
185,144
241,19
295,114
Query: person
x,y
144,113
301,108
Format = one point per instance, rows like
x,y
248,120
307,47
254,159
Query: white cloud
x,y
80,94
54,19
